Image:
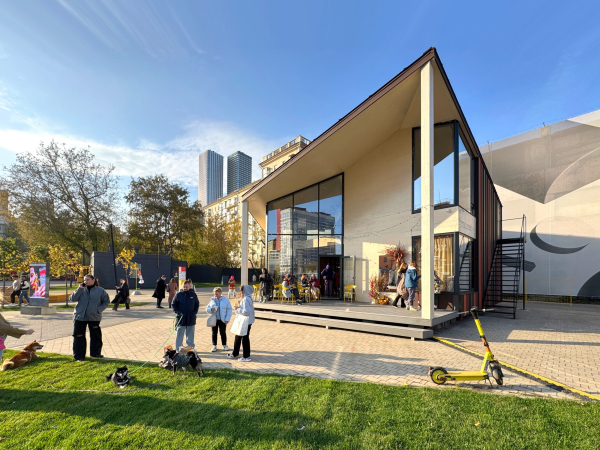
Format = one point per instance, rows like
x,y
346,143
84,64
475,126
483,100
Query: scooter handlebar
x,y
474,311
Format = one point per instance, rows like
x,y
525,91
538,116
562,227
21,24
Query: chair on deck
x,y
256,294
350,293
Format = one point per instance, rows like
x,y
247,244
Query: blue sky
x,y
150,84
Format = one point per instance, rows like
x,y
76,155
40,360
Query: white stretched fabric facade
x,y
552,175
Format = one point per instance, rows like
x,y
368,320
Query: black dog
x,y
173,360
120,378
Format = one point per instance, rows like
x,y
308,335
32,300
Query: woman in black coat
x,y
266,282
159,292
122,295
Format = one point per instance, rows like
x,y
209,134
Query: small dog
x,y
120,378
186,357
23,357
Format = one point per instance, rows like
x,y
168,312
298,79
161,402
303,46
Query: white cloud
x,y
177,158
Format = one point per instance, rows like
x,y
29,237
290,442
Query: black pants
x,y
219,328
159,301
117,300
245,342
395,302
79,341
14,295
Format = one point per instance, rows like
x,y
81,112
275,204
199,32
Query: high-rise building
x,y
210,177
239,171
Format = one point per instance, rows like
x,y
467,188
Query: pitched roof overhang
x,y
394,106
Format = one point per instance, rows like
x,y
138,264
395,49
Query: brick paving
x,y
557,341
291,349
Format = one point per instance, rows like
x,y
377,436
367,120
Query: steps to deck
x,y
386,320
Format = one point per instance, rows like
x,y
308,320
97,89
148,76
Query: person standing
x,y
401,290
185,306
159,292
172,290
231,292
411,283
16,286
91,301
327,275
254,279
192,287
24,292
221,308
315,287
122,295
246,308
265,285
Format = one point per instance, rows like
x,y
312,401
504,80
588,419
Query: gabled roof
x,y
393,106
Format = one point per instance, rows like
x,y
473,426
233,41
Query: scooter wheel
x,y
497,375
437,375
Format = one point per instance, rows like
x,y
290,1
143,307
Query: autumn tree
x,y
221,243
62,263
60,195
10,260
161,215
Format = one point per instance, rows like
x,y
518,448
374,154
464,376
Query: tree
x,y
59,195
221,243
62,263
10,260
161,215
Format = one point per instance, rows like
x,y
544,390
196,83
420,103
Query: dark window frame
x,y
457,132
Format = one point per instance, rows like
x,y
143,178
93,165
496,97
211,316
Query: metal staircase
x,y
464,272
507,268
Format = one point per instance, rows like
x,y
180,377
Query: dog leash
x,y
122,391
175,325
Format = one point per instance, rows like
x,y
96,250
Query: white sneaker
x,y
248,359
230,355
214,348
225,348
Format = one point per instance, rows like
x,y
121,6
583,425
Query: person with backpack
x,y
24,292
411,282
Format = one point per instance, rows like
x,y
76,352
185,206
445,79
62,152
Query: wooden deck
x,y
378,319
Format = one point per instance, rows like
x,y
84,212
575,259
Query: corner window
x,y
443,259
465,170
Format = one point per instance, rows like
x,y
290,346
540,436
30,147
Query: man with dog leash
x,y
91,301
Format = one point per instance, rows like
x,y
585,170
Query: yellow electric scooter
x,y
439,375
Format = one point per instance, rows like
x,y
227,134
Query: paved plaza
x,y
554,341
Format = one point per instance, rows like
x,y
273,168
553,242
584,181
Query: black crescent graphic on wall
x,y
537,241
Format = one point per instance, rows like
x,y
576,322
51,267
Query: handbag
x,y
240,325
211,321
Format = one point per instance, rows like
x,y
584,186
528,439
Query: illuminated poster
x,y
38,276
182,276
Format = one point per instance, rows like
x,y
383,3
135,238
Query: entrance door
x,y
335,264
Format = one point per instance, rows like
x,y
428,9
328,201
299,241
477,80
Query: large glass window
x,y
304,227
464,177
306,211
330,206
443,170
443,259
280,216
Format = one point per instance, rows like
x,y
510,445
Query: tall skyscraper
x,y
210,177
239,171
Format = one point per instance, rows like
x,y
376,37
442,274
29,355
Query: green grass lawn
x,y
50,404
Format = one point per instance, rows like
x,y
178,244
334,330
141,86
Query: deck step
x,y
368,327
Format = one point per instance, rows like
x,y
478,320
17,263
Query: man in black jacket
x,y
185,306
122,295
159,292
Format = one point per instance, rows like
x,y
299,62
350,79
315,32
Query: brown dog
x,y
22,358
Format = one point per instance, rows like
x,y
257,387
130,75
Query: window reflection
x,y
443,169
330,206
280,216
443,259
464,177
306,211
